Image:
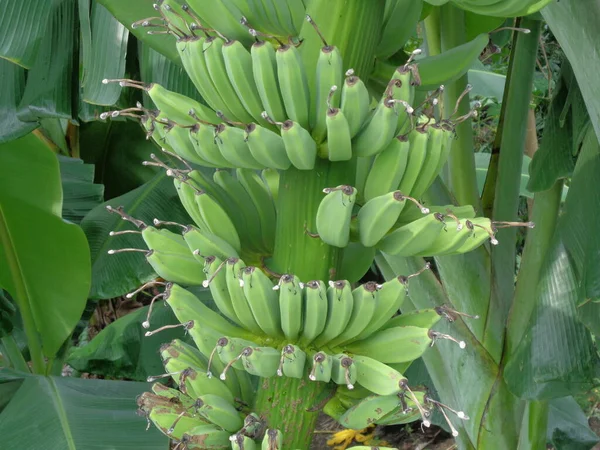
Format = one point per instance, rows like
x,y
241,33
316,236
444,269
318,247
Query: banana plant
x,y
323,141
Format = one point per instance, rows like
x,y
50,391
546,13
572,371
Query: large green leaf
x,y
568,427
48,92
81,195
115,275
44,261
53,413
121,350
556,356
130,11
574,23
13,84
22,27
104,57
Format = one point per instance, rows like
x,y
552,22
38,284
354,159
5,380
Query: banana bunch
x,y
498,8
306,330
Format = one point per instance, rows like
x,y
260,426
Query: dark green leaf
x,y
115,275
557,357
487,84
105,58
121,350
80,193
574,24
11,90
117,149
76,413
44,261
22,27
568,427
48,92
156,68
130,11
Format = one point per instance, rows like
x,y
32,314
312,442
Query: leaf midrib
x,y
62,413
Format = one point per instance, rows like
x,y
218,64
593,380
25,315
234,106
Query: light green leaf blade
x,y
52,413
115,275
487,84
81,195
22,27
568,427
106,58
130,11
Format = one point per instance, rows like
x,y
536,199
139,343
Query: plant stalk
x,y
461,163
534,426
283,403
432,32
513,137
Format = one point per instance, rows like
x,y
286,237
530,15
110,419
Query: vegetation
x,y
328,196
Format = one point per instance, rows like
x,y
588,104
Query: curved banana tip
x,y
146,324
462,344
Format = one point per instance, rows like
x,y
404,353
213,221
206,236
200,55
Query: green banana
x,y
205,437
322,365
292,362
202,137
264,69
329,74
343,371
293,84
290,304
203,244
394,345
355,103
216,281
368,411
234,147
233,269
164,413
267,147
419,139
218,411
300,147
388,168
261,361
217,220
263,300
223,16
315,311
339,311
334,215
413,238
241,442
177,107
423,318
427,173
401,19
376,376
273,440
339,138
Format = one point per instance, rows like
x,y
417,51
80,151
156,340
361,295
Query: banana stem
x,y
461,163
432,32
300,192
284,403
510,155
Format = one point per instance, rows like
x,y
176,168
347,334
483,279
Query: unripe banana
x,y
377,217
339,138
435,148
334,214
242,442
177,107
261,361
339,311
414,238
402,87
203,244
216,280
300,147
290,303
423,318
377,134
419,138
233,275
177,139
173,395
264,67
343,371
263,300
376,376
322,365
294,85
329,73
267,147
364,299
170,257
292,362
202,137
215,63
234,147
368,411
229,351
356,102
224,16
315,311
191,52
394,345
388,168
217,220
480,231
218,411
206,437
273,440
165,412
